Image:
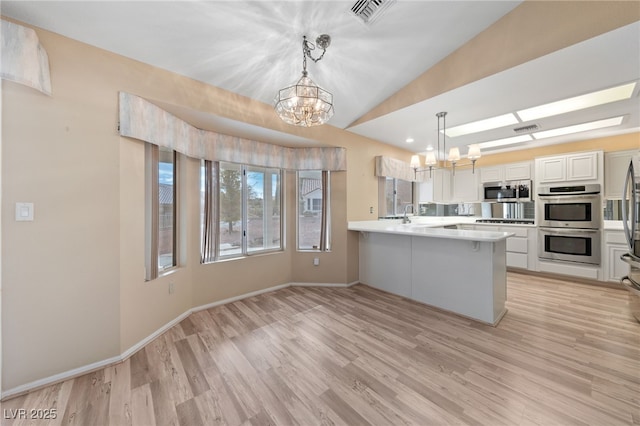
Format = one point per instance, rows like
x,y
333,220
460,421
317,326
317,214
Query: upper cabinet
x,y
582,166
465,187
506,172
492,174
517,171
436,188
615,170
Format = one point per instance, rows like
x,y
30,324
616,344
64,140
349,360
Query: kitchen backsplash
x,y
490,210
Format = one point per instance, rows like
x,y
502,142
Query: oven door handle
x,y
564,231
556,197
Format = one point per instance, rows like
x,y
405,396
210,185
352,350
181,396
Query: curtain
x,y
153,208
140,119
210,214
398,169
23,59
325,223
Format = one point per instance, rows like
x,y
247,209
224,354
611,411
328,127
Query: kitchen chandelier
x,y
304,103
431,159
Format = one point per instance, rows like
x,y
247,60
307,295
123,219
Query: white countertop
x,y
429,227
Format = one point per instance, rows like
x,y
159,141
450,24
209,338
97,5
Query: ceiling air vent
x,y
370,10
526,129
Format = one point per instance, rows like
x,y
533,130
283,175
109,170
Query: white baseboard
x,y
318,285
240,297
70,374
60,377
150,338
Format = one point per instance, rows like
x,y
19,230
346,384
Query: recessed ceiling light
x,y
482,125
592,125
430,148
409,140
578,102
505,141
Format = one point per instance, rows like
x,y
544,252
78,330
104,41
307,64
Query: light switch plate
x,y
24,212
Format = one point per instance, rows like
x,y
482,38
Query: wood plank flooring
x,y
564,354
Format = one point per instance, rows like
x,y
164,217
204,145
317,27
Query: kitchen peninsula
x,y
461,271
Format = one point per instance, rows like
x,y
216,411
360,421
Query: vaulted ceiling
x,y
253,48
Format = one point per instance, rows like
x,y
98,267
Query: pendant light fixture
x,y
432,160
304,103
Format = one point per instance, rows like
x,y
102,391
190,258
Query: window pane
x,y
309,209
404,195
230,209
263,209
389,196
255,209
274,214
166,219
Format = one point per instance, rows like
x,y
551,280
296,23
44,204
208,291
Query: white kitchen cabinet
x,y
615,245
615,169
465,187
517,171
552,169
582,166
519,247
506,172
491,174
435,188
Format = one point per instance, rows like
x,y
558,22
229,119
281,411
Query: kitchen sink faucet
x,y
405,219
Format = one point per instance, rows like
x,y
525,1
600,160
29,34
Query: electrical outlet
x,y
316,261
172,288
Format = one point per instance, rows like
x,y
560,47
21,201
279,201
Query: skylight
x,y
505,141
592,125
578,102
482,125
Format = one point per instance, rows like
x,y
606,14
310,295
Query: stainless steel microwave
x,y
507,192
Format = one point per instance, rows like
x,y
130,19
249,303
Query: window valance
x,y
24,60
393,168
140,119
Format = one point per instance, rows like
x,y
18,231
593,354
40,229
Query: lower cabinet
x,y
520,247
614,246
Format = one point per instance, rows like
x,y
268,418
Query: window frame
x,y
382,200
324,245
216,255
152,213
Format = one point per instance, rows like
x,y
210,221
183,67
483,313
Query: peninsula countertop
x,y
431,229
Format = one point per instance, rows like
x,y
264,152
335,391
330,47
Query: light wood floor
x,y
565,354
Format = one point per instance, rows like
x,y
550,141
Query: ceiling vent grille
x,y
526,129
370,10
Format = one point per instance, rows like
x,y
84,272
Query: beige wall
x,y
609,144
73,280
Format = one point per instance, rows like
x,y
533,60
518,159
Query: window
x,y
395,194
264,224
313,210
161,184
241,210
230,193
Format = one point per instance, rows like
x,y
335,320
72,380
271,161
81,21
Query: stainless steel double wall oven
x,y
569,219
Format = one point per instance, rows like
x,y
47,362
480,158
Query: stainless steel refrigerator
x,y
631,223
